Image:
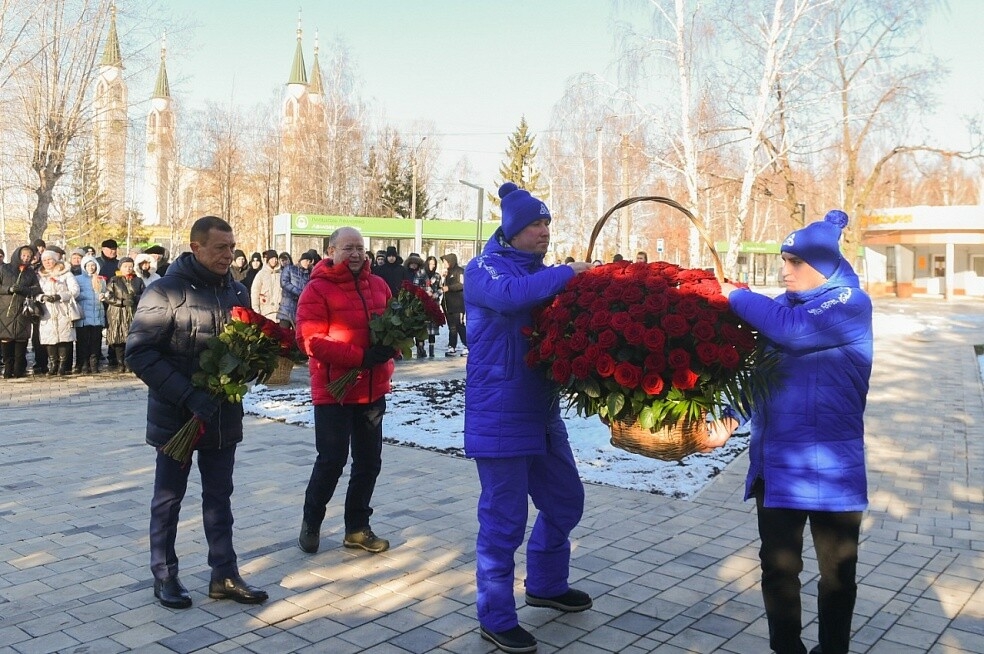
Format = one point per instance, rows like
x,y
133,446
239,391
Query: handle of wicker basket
x,y
718,267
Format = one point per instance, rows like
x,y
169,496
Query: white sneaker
x,y
464,352
450,352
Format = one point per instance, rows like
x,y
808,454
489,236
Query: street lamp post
x,y
418,224
478,221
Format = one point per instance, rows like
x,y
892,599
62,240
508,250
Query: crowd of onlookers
x,y
63,307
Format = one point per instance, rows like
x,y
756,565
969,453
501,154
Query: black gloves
x,y
376,355
16,290
51,298
203,405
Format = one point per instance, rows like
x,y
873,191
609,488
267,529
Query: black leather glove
x,y
203,405
54,298
44,298
376,355
16,290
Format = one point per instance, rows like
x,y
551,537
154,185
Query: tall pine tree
x,y
519,166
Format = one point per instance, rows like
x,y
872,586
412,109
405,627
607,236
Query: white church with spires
x,y
168,191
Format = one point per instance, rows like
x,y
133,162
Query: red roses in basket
x,y
651,343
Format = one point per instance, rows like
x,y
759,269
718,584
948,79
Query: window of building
x,y
890,275
977,264
939,265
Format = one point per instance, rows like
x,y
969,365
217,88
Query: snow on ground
x,y
430,415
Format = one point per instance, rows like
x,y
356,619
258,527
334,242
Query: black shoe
x,y
310,538
237,590
172,593
514,641
573,601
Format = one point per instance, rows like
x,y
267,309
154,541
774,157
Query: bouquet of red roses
x,y
402,323
245,351
648,343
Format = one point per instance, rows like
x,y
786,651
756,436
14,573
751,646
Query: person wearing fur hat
x,y
806,457
56,328
122,296
75,260
18,281
265,291
144,267
513,426
88,329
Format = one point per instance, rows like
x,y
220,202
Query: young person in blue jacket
x,y
513,427
806,458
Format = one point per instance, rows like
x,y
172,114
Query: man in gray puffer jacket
x,y
171,327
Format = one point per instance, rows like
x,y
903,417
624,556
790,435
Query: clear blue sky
x,y
470,67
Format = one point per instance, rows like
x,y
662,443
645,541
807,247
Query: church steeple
x,y
111,54
315,87
298,75
162,89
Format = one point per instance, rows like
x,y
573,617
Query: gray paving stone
x,y
667,575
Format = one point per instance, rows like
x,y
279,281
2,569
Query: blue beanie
x,y
818,243
519,209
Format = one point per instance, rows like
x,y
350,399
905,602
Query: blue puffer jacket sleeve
x,y
508,406
808,436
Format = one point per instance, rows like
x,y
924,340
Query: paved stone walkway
x,y
667,575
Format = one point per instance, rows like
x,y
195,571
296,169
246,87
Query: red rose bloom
x,y
707,353
578,341
684,379
627,374
635,334
678,358
655,338
728,356
655,362
593,352
561,371
607,339
581,367
703,330
652,384
605,365
675,325
620,320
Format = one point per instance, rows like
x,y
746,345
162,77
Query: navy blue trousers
x,y
336,428
170,484
551,481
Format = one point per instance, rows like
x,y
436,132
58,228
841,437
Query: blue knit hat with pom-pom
x,y
818,243
519,209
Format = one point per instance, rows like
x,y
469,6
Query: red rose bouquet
x,y
245,351
648,343
403,322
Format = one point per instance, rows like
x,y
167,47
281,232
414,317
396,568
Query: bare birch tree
x,y
52,90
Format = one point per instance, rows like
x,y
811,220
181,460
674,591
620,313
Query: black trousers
x,y
40,351
336,428
835,539
14,359
88,346
170,484
456,328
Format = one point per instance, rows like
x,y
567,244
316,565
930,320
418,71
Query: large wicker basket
x,y
281,374
667,444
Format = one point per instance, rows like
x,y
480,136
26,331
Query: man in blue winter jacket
x,y
513,427
806,458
